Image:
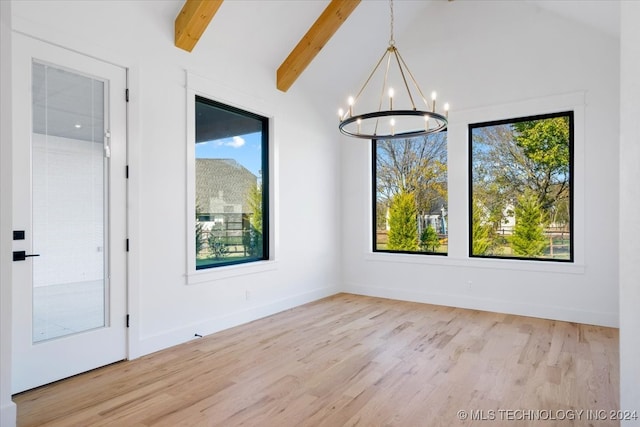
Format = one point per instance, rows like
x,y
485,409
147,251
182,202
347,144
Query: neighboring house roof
x,y
222,183
437,205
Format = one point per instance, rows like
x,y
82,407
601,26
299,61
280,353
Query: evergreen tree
x,y
403,223
429,239
254,200
252,237
528,234
480,233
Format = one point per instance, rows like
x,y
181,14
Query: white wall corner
x,y
494,305
629,206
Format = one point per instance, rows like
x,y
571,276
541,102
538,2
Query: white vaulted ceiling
x,y
268,30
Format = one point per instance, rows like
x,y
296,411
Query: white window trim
x,y
457,170
196,85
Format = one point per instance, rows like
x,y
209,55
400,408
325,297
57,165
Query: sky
x,y
245,149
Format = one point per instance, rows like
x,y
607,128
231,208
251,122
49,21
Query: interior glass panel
x,y
69,203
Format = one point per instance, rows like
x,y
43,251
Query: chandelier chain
x,y
391,39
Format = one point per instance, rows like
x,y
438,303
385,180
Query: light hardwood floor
x,y
352,360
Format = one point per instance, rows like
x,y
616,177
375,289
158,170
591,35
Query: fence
x,y
559,240
228,235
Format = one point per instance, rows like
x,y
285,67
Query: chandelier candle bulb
x,y
433,101
359,122
393,124
340,114
446,110
426,123
390,98
350,102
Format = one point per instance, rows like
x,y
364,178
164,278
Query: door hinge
x,y
126,171
126,94
127,320
127,245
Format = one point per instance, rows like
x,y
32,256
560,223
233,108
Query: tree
x,y
528,237
498,175
199,232
403,223
254,201
509,160
252,238
481,240
534,155
429,240
415,165
217,245
545,143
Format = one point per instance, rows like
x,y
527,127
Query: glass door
x,y
69,210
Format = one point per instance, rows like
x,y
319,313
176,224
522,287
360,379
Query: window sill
x,y
228,271
496,264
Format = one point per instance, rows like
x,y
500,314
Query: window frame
x,y
572,126
197,85
374,201
264,162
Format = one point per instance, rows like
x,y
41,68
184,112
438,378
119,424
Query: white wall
x,y
165,310
496,60
7,407
629,207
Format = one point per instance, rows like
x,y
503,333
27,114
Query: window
x,y
231,168
410,195
521,188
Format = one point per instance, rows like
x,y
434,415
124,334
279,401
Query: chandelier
x,y
404,122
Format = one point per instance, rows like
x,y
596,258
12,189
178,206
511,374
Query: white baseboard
x,y
490,304
215,324
8,415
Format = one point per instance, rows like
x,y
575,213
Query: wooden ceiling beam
x,y
313,41
192,21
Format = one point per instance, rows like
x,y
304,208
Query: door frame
x,y
8,409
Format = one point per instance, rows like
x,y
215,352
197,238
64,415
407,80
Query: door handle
x,y
22,255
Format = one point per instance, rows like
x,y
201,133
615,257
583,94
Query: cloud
x,y
237,142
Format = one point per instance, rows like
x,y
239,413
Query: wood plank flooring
x,y
352,360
